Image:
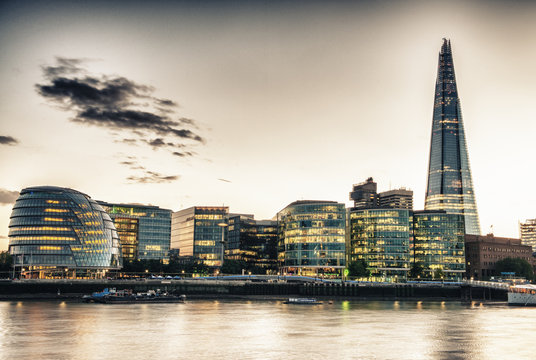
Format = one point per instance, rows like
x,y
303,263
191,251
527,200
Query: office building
x,y
58,232
380,237
527,233
252,241
197,232
396,199
312,238
438,244
450,186
365,195
483,252
144,230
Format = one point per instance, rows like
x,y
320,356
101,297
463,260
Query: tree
x,y
417,270
6,262
520,267
233,267
358,268
439,274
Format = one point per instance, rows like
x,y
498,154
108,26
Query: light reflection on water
x,y
267,330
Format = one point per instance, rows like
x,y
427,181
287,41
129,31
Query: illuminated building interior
x,y
312,238
438,244
197,232
58,232
381,237
144,230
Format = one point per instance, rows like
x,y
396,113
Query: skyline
x,y
265,103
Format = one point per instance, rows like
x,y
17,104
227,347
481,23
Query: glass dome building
x,y
60,232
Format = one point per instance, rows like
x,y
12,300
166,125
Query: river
x,y
239,329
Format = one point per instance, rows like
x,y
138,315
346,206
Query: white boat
x,y
522,295
302,301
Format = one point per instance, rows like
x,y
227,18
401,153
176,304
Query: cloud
x,y
8,140
151,177
8,197
118,104
224,180
183,154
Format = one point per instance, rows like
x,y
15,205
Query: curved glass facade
x,y
312,237
382,238
53,227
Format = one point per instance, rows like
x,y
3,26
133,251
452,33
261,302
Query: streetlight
x,y
223,226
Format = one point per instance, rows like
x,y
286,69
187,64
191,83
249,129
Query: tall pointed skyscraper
x,y
450,186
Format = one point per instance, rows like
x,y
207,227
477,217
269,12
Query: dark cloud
x,y
118,104
183,154
63,66
151,177
8,197
166,102
8,140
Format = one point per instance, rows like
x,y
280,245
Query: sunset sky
x,y
255,104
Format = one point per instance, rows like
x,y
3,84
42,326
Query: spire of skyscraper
x,y
450,186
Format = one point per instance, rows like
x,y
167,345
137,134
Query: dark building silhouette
x,y
450,186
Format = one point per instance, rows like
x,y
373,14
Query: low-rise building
x,y
483,252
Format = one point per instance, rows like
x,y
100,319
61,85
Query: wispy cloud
x,y
8,197
225,180
8,140
153,178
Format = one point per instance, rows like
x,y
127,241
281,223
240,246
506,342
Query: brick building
x,y
483,252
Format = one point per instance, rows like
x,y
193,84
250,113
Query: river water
x,y
210,329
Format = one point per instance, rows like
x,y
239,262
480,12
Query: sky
x,y
255,104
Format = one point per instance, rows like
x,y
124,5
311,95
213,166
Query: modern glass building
x,y
439,244
527,233
144,230
450,186
312,237
381,237
197,232
59,232
252,241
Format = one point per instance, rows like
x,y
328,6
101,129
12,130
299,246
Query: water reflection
x,y
265,329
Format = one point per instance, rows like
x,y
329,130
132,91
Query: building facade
x,y
312,238
380,237
483,252
252,241
197,232
438,244
527,233
396,199
59,232
450,185
144,230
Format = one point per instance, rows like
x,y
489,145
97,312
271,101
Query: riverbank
x,y
73,289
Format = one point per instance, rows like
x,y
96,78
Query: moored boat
x,y
303,301
128,297
522,295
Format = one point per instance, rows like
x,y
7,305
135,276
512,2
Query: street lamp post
x,y
223,226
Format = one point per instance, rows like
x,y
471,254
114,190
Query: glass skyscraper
x,y
450,186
